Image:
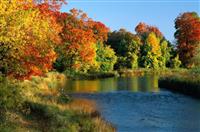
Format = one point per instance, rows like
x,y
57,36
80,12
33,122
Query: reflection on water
x,y
148,83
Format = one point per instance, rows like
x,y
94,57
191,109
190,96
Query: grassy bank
x,y
43,107
145,71
187,82
90,75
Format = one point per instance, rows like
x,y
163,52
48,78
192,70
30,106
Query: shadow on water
x,y
137,104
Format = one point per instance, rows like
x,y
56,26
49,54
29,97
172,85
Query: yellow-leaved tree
x,y
26,47
154,43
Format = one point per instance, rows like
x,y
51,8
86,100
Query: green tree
x,y
127,46
105,58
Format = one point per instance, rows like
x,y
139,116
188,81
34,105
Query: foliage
x,y
148,48
79,36
143,30
105,58
36,34
24,34
195,60
154,43
156,50
166,50
121,63
188,38
132,60
151,52
126,45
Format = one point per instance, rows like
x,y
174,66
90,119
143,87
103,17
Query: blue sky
x,y
127,14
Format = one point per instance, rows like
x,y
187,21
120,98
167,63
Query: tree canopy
x,y
36,37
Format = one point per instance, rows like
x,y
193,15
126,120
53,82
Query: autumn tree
x,y
188,38
26,41
79,37
155,49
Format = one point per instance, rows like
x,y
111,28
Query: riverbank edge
x,y
180,85
46,108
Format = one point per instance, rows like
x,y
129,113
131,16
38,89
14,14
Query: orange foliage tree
x,y
188,38
79,36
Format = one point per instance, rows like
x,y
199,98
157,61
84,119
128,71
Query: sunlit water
x,y
137,104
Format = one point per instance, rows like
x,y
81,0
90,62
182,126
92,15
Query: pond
x,y
138,104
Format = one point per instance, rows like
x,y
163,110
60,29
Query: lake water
x,y
138,104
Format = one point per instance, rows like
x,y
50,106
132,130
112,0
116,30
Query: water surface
x,y
138,104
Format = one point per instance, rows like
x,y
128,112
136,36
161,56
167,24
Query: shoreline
x,y
176,80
